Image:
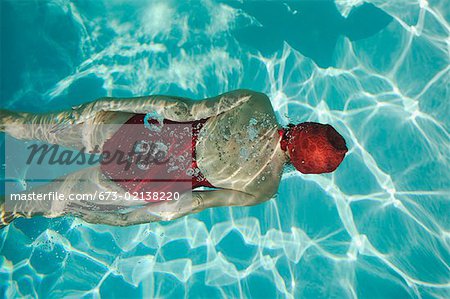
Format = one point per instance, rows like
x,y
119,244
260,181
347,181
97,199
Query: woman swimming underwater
x,y
237,147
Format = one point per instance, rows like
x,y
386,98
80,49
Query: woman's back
x,y
239,149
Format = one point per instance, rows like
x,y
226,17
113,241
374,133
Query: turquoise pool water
x,y
378,227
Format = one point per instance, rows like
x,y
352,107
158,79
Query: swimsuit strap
x,y
199,180
285,136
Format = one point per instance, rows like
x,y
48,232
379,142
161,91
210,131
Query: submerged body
x,y
240,150
167,161
244,144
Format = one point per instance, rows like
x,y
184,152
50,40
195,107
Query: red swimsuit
x,y
172,167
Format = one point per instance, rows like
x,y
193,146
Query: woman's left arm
x,y
172,108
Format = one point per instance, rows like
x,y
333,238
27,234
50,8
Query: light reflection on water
x,y
377,227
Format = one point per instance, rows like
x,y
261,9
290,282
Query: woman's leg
x,y
87,194
62,129
71,129
53,128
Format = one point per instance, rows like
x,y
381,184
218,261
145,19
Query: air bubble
x,y
142,165
141,147
153,127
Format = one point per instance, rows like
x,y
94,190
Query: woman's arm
x,y
173,108
201,200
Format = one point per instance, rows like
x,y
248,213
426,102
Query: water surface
x,y
378,227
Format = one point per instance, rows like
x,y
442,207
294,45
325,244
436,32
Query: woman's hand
x,y
167,210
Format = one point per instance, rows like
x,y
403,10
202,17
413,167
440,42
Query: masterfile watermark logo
x,y
98,163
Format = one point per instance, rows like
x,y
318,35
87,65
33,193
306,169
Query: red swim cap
x,y
314,147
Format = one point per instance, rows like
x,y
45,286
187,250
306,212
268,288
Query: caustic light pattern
x,y
377,227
